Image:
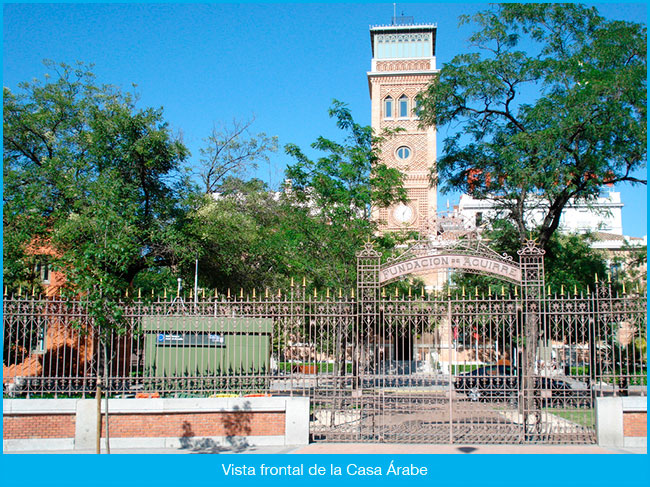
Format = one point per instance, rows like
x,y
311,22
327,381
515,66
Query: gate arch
x,y
383,319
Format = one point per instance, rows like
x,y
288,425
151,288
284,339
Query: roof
x,y
403,29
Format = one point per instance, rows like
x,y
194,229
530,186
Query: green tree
x,y
72,147
331,200
95,179
569,263
236,235
550,106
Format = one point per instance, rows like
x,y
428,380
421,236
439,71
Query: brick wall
x,y
635,424
150,425
186,425
38,426
621,422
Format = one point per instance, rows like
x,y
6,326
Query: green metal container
x,y
181,346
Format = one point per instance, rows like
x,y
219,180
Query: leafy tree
x,y
97,180
237,239
73,149
330,200
233,151
550,106
569,263
631,267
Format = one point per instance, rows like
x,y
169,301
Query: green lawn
x,y
583,417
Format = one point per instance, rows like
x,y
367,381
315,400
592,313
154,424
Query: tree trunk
x,y
108,438
98,445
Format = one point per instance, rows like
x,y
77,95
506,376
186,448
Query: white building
x,y
603,215
603,218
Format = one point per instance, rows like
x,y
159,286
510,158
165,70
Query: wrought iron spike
x,y
165,294
291,282
228,295
241,292
624,287
596,277
315,293
266,292
139,293
304,282
254,296
562,290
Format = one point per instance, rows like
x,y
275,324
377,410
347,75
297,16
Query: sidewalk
x,y
367,448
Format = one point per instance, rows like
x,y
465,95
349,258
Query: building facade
x,y
601,215
403,64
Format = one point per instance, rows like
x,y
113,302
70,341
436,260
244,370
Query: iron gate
x,y
509,367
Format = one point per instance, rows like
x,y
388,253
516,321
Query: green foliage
x,y
95,181
330,201
569,262
236,236
550,106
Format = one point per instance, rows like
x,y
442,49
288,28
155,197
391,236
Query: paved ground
x,y
372,448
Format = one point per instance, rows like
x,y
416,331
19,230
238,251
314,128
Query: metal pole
x,y
196,280
451,371
99,416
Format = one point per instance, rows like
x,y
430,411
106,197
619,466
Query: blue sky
x,y
212,63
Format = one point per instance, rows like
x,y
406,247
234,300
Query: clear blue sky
x,y
211,63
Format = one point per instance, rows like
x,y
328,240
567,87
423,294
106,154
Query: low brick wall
x,y
52,424
635,425
622,421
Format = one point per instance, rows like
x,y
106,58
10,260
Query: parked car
x,y
501,383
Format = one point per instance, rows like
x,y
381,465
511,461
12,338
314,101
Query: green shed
x,y
177,346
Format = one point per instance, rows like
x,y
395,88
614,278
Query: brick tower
x,y
403,64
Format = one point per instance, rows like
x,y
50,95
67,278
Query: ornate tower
x,y
403,64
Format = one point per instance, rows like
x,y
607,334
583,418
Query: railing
x,y
299,344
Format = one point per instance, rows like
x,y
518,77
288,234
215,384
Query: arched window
x,y
388,107
403,107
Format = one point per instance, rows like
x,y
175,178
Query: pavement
x,y
366,448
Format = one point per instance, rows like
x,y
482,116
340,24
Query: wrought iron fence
x,y
431,367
